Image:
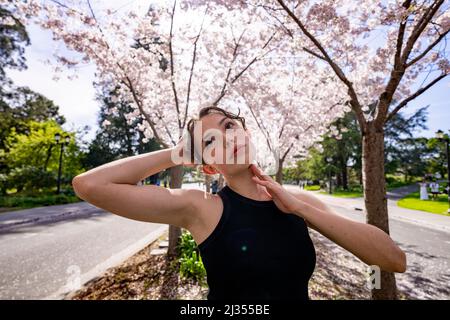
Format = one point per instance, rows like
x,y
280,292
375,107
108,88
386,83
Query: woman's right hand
x,y
178,153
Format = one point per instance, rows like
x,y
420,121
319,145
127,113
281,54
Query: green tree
x,y
35,154
13,39
403,153
437,161
27,105
119,138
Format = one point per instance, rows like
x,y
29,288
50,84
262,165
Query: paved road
x,y
46,252
428,256
398,193
45,260
41,260
421,218
424,237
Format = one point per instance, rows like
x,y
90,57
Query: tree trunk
x,y
375,199
49,153
339,180
208,180
279,174
221,181
176,180
344,174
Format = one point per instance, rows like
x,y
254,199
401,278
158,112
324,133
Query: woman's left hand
x,y
283,199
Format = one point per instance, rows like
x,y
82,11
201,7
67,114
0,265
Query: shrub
x,y
36,201
29,178
190,260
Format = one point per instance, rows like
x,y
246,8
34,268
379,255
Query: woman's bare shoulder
x,y
209,208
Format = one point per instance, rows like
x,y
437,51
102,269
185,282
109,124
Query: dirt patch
x,y
141,277
338,275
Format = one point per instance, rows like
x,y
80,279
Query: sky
x,y
76,98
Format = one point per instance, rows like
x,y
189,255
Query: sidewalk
x,y
421,218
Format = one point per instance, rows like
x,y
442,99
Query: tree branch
x,y
397,72
418,29
314,54
430,47
413,96
174,89
141,109
356,106
194,55
236,77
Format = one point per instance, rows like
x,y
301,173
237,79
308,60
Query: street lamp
x,y
62,143
442,137
329,160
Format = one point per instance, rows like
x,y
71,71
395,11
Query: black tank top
x,y
257,251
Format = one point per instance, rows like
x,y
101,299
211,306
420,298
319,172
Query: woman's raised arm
x,y
113,187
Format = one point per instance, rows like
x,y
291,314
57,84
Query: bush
x,y
29,177
31,202
351,188
190,261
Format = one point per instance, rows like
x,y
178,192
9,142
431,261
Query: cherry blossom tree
x,y
289,111
384,54
167,66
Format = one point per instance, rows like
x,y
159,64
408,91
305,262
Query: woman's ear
x,y
209,169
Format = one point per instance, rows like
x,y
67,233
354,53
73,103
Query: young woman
x,y
253,235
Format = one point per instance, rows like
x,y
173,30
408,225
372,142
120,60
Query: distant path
x,y
399,193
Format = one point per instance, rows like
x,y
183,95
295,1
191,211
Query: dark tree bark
x,y
176,180
375,198
339,179
221,181
208,180
49,153
279,174
343,177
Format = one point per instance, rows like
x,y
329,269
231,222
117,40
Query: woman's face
x,y
226,146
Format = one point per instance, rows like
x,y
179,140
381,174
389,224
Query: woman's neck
x,y
245,186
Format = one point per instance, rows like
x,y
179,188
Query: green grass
x,y
412,201
312,188
344,194
355,191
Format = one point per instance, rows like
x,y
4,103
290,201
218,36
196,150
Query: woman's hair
x,y
204,112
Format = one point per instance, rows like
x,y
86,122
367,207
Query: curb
x,y
65,293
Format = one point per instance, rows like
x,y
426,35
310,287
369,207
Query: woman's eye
x,y
228,125
208,142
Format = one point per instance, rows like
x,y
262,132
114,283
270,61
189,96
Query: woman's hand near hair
x,y
113,187
179,155
369,243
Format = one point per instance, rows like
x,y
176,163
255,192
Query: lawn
x,y
412,201
312,188
356,191
345,194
